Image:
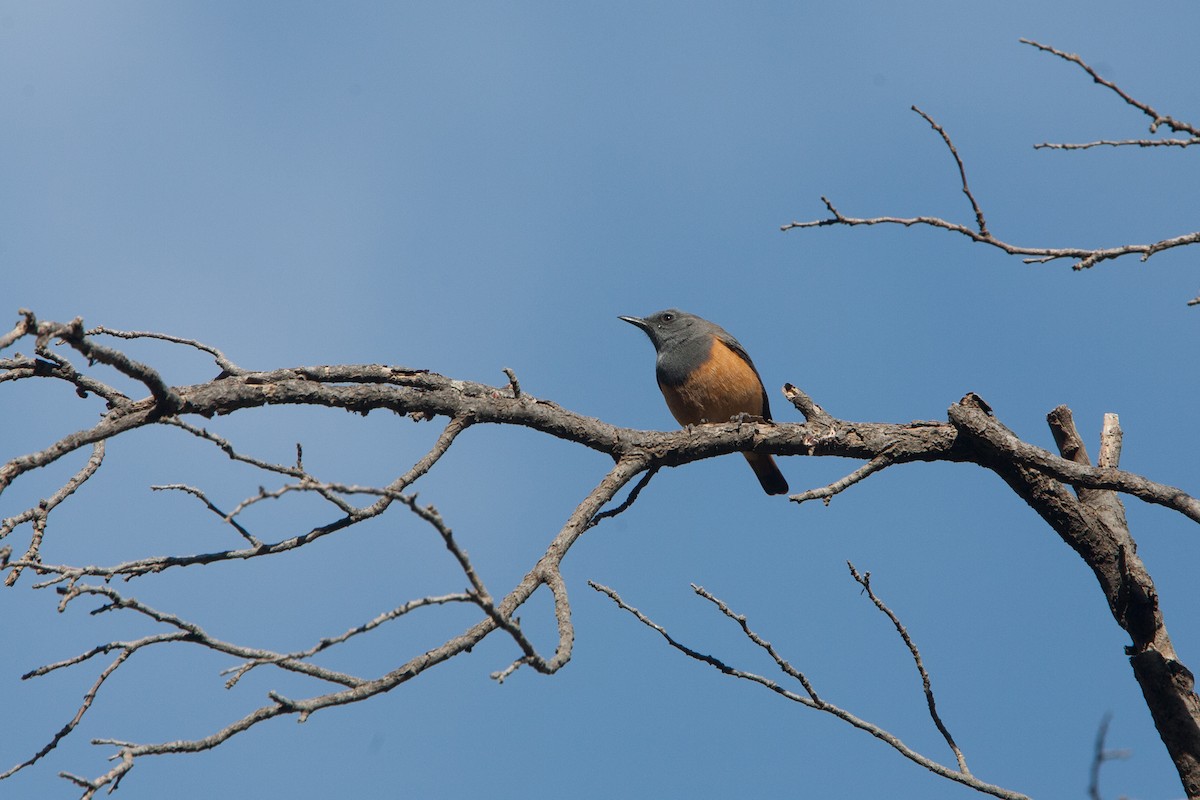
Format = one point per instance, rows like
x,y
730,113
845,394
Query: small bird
x,y
706,376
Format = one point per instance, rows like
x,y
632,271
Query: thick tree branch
x,y
994,437
1094,525
1091,520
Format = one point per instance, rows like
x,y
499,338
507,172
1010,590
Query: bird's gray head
x,y
672,327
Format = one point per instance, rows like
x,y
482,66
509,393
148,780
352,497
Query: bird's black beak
x,y
638,321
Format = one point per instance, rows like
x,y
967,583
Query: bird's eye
x,y
668,317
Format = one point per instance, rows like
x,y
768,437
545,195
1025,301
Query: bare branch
x,y
199,495
980,223
1110,442
39,514
1117,143
779,660
514,383
63,732
1003,442
971,435
546,571
1094,525
827,492
1157,120
226,447
353,515
167,402
806,699
224,363
864,580
629,501
327,642
1100,755
478,592
1084,258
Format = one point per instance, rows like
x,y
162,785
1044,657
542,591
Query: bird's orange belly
x,y
722,387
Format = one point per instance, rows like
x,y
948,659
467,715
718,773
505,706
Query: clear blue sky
x,y
464,187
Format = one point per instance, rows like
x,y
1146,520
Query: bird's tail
x,y
768,473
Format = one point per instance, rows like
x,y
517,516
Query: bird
x,y
706,376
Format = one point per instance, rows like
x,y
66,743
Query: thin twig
x,y
864,580
779,660
803,699
40,513
827,492
1156,119
478,593
166,399
26,325
514,383
222,361
228,518
63,732
195,634
962,171
1116,143
325,643
629,500
1100,754
1084,258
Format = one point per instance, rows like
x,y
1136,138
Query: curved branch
x,y
864,580
500,615
1092,523
1156,119
165,399
40,513
224,363
1002,442
809,698
1084,257
980,222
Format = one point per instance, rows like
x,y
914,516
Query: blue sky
x,y
464,187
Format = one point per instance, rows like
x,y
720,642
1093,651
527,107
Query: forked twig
x,y
809,697
1084,258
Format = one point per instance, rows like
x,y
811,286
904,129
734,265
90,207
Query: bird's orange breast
x,y
723,386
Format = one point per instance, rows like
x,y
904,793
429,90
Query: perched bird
x,y
706,376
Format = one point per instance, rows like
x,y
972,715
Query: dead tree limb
x,y
1079,501
1083,257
